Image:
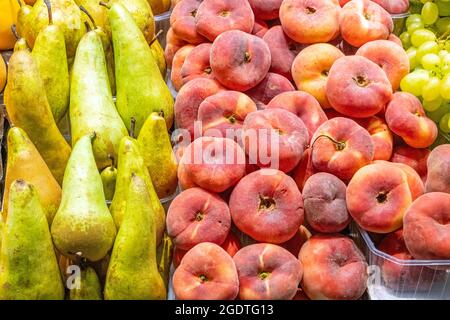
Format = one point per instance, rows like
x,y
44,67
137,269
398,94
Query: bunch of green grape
x,y
427,43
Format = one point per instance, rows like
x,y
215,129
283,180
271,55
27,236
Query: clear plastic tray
x,y
417,280
399,22
162,22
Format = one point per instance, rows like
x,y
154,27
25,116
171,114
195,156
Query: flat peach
x,y
394,6
304,170
177,64
271,86
196,64
260,28
382,138
173,44
415,158
438,179
182,21
266,9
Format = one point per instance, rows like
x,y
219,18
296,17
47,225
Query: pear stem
x,y
133,126
88,26
111,157
14,31
49,9
105,4
155,37
20,3
84,10
93,135
161,113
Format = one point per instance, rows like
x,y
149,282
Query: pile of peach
x,y
320,80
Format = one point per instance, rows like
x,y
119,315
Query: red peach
x,y
267,272
438,179
392,37
260,28
216,17
266,9
182,21
415,158
378,197
394,6
206,272
311,67
308,21
333,268
173,44
272,85
267,206
304,170
177,64
406,117
239,60
197,64
294,244
382,138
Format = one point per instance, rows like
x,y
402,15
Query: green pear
x,y
92,106
89,289
133,272
164,256
130,160
28,266
109,177
160,6
158,54
98,12
49,52
28,108
83,225
158,155
22,19
140,87
2,224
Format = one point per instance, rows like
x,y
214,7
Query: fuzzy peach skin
x,y
182,21
333,268
267,206
173,44
302,104
415,182
310,21
304,170
362,21
406,117
223,114
216,17
401,277
177,64
392,37
272,85
357,87
266,9
274,138
415,158
427,227
267,272
212,163
390,57
382,138
394,6
378,197
260,28
207,272
189,99
325,204
239,60
283,51
438,179
311,67
196,64
341,147
231,245
294,244
196,216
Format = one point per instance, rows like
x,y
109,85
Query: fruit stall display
x,y
233,149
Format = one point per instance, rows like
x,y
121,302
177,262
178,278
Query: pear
x,y
109,177
142,14
130,160
160,6
66,15
49,52
158,54
164,256
28,108
133,272
83,225
92,106
98,12
90,288
22,17
140,87
28,266
25,162
158,155
2,224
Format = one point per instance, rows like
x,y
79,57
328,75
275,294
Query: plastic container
x,y
162,22
399,22
417,280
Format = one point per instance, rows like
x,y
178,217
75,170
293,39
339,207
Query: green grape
x,y
425,1
444,124
430,13
432,105
432,90
413,19
445,65
443,54
437,115
427,47
415,26
405,37
415,81
444,8
412,52
445,87
443,25
420,36
431,61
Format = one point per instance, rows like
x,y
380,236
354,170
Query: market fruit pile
x,y
291,125
56,193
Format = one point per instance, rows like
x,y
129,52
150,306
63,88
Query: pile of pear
x,y
81,214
